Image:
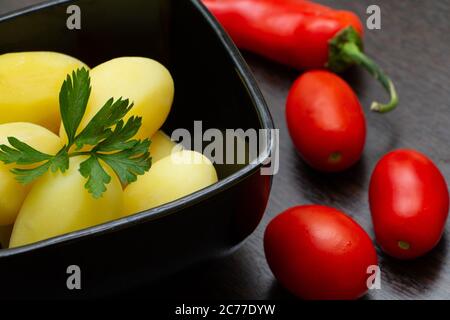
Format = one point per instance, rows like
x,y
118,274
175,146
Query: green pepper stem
x,y
355,54
346,49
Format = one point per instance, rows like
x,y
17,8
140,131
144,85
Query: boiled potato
x,y
143,81
162,146
29,86
170,178
58,203
12,192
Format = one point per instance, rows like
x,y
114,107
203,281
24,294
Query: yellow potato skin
x,y
162,146
12,196
12,192
29,86
145,82
168,180
58,203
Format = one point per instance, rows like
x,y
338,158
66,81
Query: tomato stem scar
x,y
335,157
404,245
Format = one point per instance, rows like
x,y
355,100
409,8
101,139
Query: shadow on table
x,y
421,274
210,280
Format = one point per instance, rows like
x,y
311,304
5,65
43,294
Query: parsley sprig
x,y
108,138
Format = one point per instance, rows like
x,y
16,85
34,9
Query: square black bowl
x,y
213,84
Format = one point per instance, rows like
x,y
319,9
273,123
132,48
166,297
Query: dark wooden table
x,y
414,46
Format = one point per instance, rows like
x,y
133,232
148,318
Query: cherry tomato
x,y
318,252
409,201
326,121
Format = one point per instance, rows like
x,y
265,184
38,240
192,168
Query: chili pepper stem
x,y
351,50
346,48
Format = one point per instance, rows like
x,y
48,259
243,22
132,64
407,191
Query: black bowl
x,y
213,84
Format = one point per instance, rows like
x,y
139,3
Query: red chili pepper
x,y
301,34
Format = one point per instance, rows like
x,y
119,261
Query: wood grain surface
x,y
413,45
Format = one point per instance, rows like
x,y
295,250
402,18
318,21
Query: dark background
x,y
413,45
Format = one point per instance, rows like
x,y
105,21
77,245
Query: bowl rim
x,y
175,206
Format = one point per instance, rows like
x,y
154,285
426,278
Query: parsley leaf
x,y
119,138
27,176
130,163
21,153
110,137
60,161
99,128
73,99
97,177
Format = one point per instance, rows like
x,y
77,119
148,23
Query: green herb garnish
x,y
107,135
